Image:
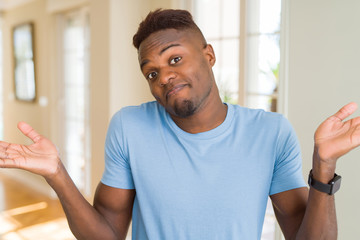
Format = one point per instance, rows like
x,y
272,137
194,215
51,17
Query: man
x,y
189,166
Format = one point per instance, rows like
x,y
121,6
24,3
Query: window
x,y
75,95
262,53
246,39
245,35
221,29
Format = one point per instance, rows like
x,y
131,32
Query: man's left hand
x,y
335,137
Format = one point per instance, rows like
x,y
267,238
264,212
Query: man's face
x,y
177,67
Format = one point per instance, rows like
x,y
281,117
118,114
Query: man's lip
x,y
174,90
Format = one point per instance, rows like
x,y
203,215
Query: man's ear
x,y
210,54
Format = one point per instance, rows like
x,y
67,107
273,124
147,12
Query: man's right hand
x,y
41,157
108,219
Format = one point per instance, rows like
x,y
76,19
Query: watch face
x,y
335,184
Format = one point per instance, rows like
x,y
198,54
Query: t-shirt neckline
x,y
215,132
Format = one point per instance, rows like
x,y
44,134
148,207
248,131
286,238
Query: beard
x,y
185,108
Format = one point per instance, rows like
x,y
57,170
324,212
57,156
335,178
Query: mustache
x,y
173,88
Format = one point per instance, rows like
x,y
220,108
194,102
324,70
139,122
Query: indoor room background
x,y
305,66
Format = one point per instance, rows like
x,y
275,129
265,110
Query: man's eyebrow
x,y
167,47
143,63
160,53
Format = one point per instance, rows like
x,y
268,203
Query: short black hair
x,y
162,19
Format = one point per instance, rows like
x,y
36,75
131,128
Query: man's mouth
x,y
174,90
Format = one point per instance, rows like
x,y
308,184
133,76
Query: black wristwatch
x,y
332,187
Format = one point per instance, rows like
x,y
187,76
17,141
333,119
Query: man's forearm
x,y
320,216
84,221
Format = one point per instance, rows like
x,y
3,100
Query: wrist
x,y
330,188
57,175
323,169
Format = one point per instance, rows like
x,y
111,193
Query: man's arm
x,y
304,214
289,208
108,219
116,206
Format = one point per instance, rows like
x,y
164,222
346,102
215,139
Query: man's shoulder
x,y
256,115
142,110
138,117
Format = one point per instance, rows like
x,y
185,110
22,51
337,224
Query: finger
x,y
346,111
27,130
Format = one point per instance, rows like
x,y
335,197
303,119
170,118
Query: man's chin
x,y
183,109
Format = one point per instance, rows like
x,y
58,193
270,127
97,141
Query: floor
x,y
28,215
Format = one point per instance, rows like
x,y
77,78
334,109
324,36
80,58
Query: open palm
x,y
41,157
335,137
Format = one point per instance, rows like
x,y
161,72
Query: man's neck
x,y
206,118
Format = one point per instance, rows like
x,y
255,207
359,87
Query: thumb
x,y
28,131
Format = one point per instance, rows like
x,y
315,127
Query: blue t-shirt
x,y
209,185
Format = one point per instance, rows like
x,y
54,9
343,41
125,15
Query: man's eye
x,y
151,75
175,60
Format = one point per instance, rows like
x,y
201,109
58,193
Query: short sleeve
x,y
287,173
117,168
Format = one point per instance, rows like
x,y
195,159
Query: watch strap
x,y
332,187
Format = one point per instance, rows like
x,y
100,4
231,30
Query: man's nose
x,y
166,76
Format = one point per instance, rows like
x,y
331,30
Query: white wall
x,y
323,75
127,85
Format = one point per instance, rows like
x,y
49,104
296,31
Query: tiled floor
x,y
28,215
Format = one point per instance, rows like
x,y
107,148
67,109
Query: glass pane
x,y
264,16
260,102
73,69
75,167
253,16
228,78
75,158
74,100
73,37
263,58
270,16
74,137
230,18
75,93
22,38
207,14
252,68
25,70
87,31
